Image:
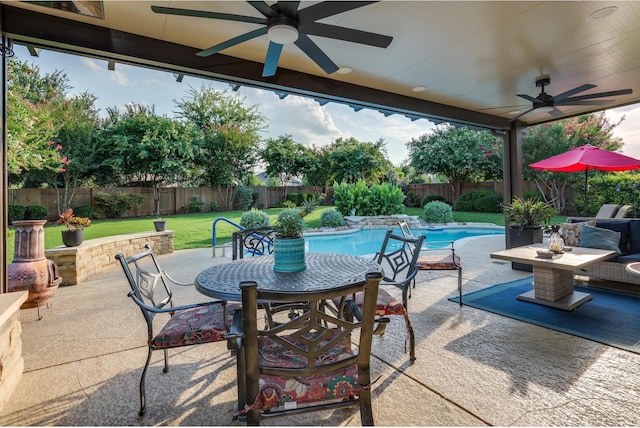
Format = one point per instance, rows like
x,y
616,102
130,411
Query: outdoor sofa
x,y
628,243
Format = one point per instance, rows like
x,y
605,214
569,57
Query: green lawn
x,y
194,230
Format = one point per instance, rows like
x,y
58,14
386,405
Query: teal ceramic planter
x,y
289,254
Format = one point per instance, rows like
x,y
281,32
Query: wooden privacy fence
x,y
172,199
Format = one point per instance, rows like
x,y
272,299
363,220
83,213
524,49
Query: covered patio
x,y
473,368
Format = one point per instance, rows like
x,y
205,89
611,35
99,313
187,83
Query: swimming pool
x,y
369,241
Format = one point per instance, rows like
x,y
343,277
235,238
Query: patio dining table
x,y
325,271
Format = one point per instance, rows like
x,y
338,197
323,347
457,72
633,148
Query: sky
x,y
303,118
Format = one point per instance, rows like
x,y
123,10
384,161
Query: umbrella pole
x,y
584,208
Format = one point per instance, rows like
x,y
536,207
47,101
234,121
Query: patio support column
x,y
512,165
6,51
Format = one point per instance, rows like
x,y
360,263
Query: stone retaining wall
x,y
76,264
381,221
11,361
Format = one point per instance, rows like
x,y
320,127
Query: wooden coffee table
x,y
553,278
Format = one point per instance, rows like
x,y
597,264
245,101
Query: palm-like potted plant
x,y
288,245
74,235
526,217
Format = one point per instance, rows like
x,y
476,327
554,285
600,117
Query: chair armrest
x,y
400,284
143,305
182,284
350,305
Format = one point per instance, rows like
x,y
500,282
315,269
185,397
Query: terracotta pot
x,y
30,270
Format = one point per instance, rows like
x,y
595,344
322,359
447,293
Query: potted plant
x,y
160,224
288,245
526,217
74,235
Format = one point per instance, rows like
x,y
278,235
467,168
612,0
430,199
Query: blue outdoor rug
x,y
611,317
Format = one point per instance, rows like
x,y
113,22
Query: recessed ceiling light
x,y
344,70
418,89
603,13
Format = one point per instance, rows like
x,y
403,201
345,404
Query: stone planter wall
x,y
76,264
11,361
381,221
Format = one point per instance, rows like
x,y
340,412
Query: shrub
x,y
114,205
15,212
331,218
195,205
36,212
213,206
359,199
412,200
289,204
254,218
466,202
289,224
244,198
431,198
489,204
438,212
83,211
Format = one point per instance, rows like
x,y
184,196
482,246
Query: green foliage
x,y
362,200
254,218
36,212
480,201
290,223
431,198
285,158
15,212
114,205
195,205
437,212
526,212
244,198
412,200
213,206
300,198
351,160
308,206
289,204
83,211
331,218
460,154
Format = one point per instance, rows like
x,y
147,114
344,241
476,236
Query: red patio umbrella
x,y
585,158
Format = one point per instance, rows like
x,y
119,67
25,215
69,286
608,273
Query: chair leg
x,y
460,285
412,337
166,362
143,401
366,413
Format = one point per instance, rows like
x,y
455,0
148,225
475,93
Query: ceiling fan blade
x,y
315,53
328,8
587,102
556,112
271,61
602,95
346,34
573,91
518,106
264,9
522,114
289,8
204,14
232,42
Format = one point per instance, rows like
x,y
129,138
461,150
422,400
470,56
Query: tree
x,y
148,147
351,160
285,158
544,141
230,141
319,171
458,153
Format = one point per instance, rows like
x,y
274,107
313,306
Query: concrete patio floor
x,y
83,362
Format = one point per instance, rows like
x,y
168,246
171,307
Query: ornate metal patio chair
x,y
442,258
309,362
398,260
191,324
256,241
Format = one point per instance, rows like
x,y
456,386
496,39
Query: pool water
x,y
369,241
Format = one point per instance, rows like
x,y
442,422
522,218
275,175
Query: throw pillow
x,y
603,239
571,232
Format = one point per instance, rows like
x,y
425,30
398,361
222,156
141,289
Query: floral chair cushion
x,y
290,392
386,304
571,232
439,262
202,324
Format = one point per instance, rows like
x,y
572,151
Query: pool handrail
x,y
213,227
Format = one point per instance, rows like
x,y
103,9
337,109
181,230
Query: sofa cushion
x,y
601,238
619,226
634,239
629,258
571,232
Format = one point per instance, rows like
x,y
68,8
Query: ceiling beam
x,y
75,37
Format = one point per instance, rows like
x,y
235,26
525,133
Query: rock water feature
x,y
30,270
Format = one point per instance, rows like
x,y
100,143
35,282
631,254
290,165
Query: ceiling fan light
x,y
419,89
603,13
344,70
544,109
282,34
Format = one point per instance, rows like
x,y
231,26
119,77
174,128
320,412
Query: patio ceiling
x,y
472,57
